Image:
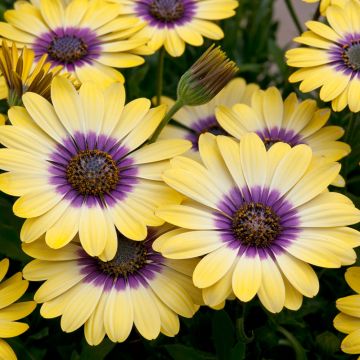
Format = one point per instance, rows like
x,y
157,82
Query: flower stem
x,y
350,127
299,350
173,110
293,15
160,75
317,13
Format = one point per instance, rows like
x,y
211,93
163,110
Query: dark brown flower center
x,y
167,10
92,172
130,257
256,224
67,49
351,55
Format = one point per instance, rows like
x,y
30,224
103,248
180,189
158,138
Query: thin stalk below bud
x,y
173,110
160,76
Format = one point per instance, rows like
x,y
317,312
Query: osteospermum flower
x,y
86,37
77,168
331,59
173,23
288,121
348,321
258,218
137,287
10,291
19,74
196,120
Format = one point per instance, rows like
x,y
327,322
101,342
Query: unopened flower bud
x,y
21,74
206,77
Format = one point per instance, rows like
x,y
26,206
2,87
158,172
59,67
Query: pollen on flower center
x,y
256,224
351,55
130,257
67,49
92,172
167,10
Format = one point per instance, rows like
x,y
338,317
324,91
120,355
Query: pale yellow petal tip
x,y
4,265
352,277
218,307
339,181
61,81
6,352
350,346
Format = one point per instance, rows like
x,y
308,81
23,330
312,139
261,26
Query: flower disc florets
x,y
92,172
167,10
130,257
256,224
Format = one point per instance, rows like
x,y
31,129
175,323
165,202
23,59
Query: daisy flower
x,y
288,121
138,287
348,321
196,120
173,23
10,291
258,218
87,37
77,166
331,58
20,74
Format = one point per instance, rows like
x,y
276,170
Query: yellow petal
x,y
92,229
6,352
299,273
118,315
146,313
272,290
214,266
81,306
172,294
351,344
11,329
246,279
191,244
12,289
352,277
174,45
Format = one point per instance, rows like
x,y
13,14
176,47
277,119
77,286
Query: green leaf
x,y
182,352
223,332
328,343
238,351
96,352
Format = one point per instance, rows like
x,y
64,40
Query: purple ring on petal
x,y
275,134
208,124
135,269
270,199
166,13
71,147
339,55
70,47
